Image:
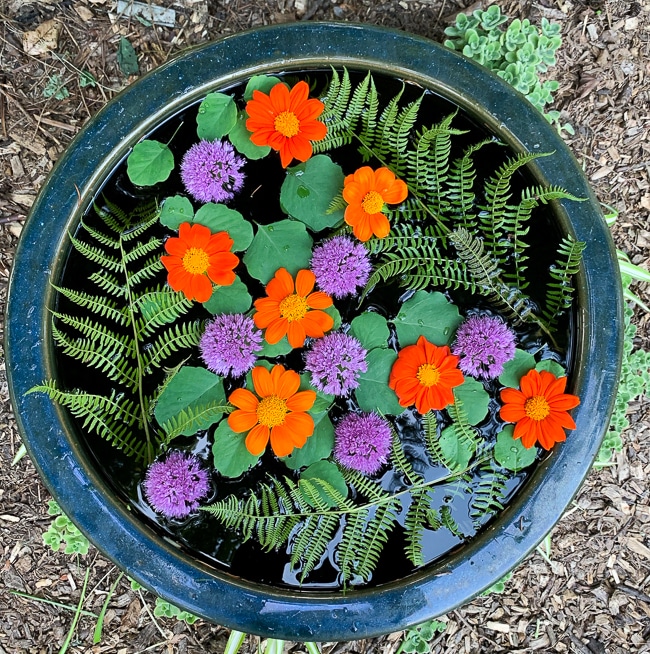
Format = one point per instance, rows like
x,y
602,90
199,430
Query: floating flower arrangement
x,y
360,367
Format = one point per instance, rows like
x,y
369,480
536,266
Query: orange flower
x,y
278,414
367,191
286,121
198,256
288,311
424,374
539,409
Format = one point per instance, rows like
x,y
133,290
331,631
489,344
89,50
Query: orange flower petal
x,y
302,401
319,300
300,423
200,288
299,147
282,284
175,246
242,398
317,323
380,225
512,412
276,330
305,280
281,441
296,333
262,381
257,439
240,421
287,384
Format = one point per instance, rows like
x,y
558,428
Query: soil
x,y
590,592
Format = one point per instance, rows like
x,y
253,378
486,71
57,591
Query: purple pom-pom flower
x,y
335,362
175,485
341,265
211,172
362,442
483,343
229,344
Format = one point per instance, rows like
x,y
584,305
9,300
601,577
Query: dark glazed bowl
x,y
84,495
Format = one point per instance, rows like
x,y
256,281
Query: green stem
x,y
97,634
235,641
77,615
136,351
44,600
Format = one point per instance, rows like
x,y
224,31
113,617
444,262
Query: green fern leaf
x,y
101,306
194,418
177,337
417,519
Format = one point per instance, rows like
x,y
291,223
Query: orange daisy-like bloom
x,y
198,257
367,191
286,120
293,310
539,409
278,413
425,374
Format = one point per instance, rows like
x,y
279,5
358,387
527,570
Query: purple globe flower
x,y
174,485
335,362
210,171
363,442
484,343
341,265
229,344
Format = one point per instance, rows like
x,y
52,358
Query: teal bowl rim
x,y
84,495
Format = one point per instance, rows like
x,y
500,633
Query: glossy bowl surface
x,y
84,495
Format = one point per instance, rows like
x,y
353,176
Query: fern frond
x,y
112,362
97,255
491,488
101,306
447,520
312,541
190,420
113,216
147,270
363,485
374,537
463,429
108,283
399,460
559,292
142,249
98,414
103,239
177,337
143,218
100,335
417,519
158,308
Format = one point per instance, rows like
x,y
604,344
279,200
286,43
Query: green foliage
x,y
373,393
217,115
307,192
164,609
127,59
371,329
150,162
125,330
286,241
510,453
521,53
414,319
63,532
474,238
498,586
55,88
417,639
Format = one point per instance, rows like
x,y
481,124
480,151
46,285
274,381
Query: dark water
x,y
258,201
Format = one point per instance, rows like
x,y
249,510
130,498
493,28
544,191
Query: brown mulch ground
x,y
593,596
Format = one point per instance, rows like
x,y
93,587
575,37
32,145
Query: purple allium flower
x,y
335,362
363,442
341,265
484,343
210,171
174,486
229,344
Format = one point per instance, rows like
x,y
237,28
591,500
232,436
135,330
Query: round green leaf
x,y
308,190
457,450
511,453
336,316
240,137
231,458
217,115
551,366
328,472
220,218
373,393
262,83
175,210
275,350
318,446
516,368
190,386
229,299
150,162
475,399
427,314
283,244
371,329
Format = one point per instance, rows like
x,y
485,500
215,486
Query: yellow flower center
x,y
287,124
372,202
293,307
196,261
537,407
428,374
271,411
